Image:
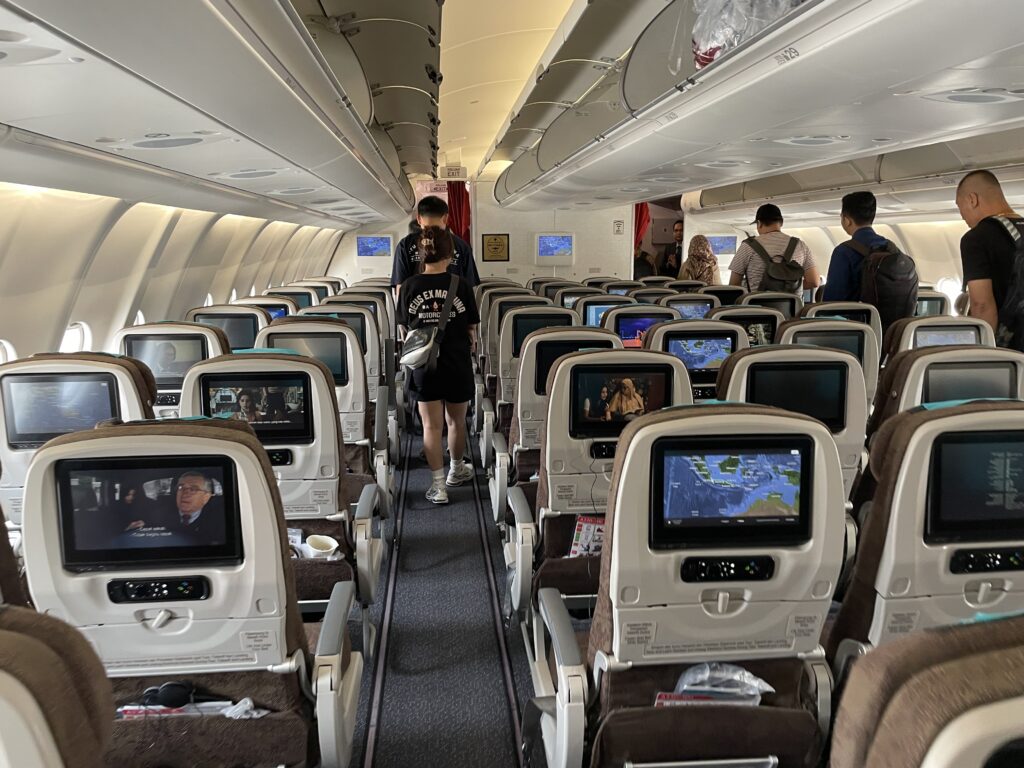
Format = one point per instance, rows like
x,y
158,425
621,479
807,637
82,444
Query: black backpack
x,y
786,275
1010,333
888,281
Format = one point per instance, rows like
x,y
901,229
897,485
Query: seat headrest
x,y
140,373
311,318
222,337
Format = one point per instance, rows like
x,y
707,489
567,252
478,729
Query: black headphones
x,y
174,695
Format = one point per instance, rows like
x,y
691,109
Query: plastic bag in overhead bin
x,y
722,25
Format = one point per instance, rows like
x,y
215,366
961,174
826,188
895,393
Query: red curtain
x,y
459,217
641,221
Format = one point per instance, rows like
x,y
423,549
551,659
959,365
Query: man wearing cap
x,y
748,266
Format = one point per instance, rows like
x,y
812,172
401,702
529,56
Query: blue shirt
x,y
844,270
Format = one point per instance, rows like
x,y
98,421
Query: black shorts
x,y
441,384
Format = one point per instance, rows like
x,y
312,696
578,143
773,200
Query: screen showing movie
x,y
276,406
633,328
299,297
845,341
930,306
701,353
354,320
692,310
817,390
168,357
241,330
945,337
976,487
548,353
39,407
603,399
524,325
969,381
329,349
724,492
786,306
595,313
760,328
151,512
276,311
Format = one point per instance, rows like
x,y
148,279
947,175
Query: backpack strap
x,y
787,255
1011,227
759,249
860,248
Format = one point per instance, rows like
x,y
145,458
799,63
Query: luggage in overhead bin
x,y
722,25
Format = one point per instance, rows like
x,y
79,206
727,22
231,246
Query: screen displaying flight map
x,y
702,354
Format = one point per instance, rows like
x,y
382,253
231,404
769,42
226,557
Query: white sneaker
x,y
460,475
437,494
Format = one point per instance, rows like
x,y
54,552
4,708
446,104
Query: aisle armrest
x,y
498,483
332,629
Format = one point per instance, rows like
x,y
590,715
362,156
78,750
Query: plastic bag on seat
x,y
722,25
718,683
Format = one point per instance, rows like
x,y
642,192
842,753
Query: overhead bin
x,y
524,170
801,94
229,90
397,46
600,111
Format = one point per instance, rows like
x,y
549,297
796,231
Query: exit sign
x,y
455,172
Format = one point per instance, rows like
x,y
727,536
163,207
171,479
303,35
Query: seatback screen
x,y
568,299
39,407
595,313
549,290
969,381
692,310
603,399
320,291
976,487
241,330
945,337
329,349
619,291
930,306
299,297
632,328
817,390
168,357
726,295
760,328
701,353
277,406
525,324
549,351
354,320
276,311
846,341
786,306
507,305
735,491
150,512
854,315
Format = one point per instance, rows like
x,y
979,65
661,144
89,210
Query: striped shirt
x,y
750,265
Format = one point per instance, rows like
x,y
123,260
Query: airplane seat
x,y
677,590
855,338
942,542
971,677
789,304
702,345
632,323
931,303
686,286
690,306
935,331
289,400
857,311
761,323
362,321
213,607
169,349
239,322
275,304
651,295
727,294
303,297
622,287
54,393
657,281
599,282
56,704
592,309
589,404
567,297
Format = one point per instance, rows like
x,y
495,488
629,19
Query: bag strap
x,y
449,300
759,249
860,248
1010,227
787,255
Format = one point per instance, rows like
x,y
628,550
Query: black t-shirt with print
x,y
987,252
420,300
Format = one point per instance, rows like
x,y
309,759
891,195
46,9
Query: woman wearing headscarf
x,y
701,262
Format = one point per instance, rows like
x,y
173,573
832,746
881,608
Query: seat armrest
x,y
559,626
520,506
367,504
500,444
380,425
332,630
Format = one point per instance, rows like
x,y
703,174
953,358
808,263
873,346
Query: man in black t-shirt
x,y
432,211
987,250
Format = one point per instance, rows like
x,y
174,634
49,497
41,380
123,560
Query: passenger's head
x,y
979,196
700,249
432,211
193,491
677,230
436,245
858,211
768,218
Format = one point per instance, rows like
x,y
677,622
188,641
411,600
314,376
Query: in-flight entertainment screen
x,y
603,399
39,407
276,406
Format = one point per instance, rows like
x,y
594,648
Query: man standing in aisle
x,y
792,265
672,259
847,263
432,211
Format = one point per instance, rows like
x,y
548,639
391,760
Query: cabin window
x,y
77,338
7,352
209,300
951,287
140,319
234,296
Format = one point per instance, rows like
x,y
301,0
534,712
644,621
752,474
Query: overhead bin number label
x,y
786,55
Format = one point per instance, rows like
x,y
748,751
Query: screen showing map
x,y
718,490
373,245
595,313
602,400
701,354
976,487
969,381
632,328
301,298
841,340
722,245
817,390
692,310
853,315
549,351
760,329
524,325
554,245
928,307
276,311
944,337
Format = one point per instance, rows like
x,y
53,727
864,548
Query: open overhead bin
x,y
800,94
232,91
